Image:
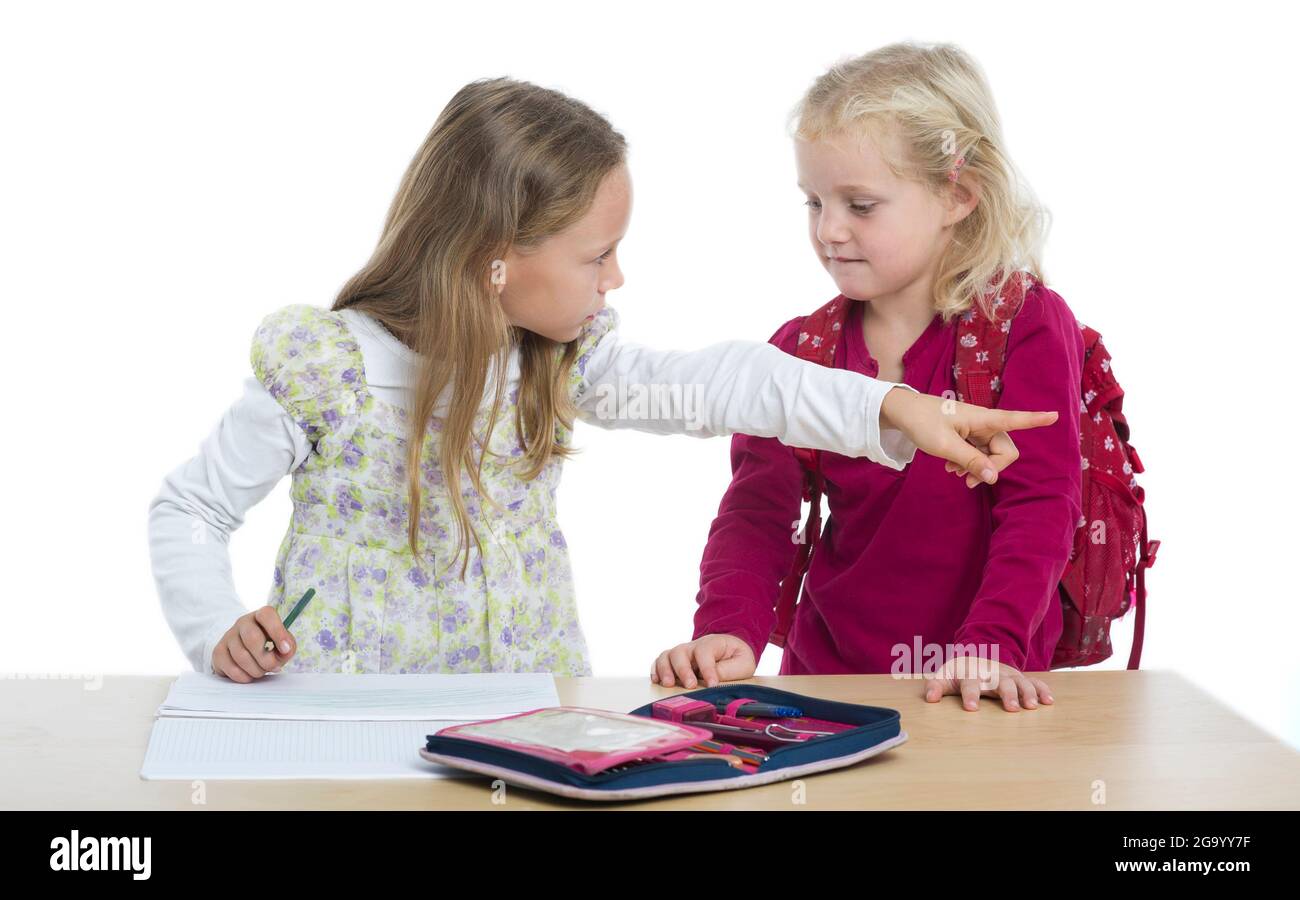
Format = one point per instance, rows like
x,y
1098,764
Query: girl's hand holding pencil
x,y
258,643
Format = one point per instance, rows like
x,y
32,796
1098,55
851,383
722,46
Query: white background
x,y
173,172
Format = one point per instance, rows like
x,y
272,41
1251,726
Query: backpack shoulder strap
x,y
819,336
982,343
821,331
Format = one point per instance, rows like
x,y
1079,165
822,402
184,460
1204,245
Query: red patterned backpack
x,y
1104,577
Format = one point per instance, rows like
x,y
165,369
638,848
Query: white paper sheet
x,y
190,749
324,726
293,695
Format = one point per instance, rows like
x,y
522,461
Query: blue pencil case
x,y
693,742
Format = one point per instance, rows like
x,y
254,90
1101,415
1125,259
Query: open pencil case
x,y
698,741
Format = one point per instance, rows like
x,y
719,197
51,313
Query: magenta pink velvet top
x,y
911,558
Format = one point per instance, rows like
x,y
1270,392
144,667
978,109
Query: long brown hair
x,y
506,165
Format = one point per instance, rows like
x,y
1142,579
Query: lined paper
x,y
325,726
190,749
307,695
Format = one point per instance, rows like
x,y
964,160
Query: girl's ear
x,y
963,197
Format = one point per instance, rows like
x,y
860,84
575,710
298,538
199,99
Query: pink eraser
x,y
683,709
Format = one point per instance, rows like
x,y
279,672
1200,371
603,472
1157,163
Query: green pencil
x,y
293,614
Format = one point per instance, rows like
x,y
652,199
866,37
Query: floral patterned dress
x,y
378,607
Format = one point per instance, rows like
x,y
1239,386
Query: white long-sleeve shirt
x,y
726,388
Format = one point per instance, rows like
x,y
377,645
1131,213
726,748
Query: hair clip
x,y
956,169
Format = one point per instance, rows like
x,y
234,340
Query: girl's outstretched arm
x,y
738,387
748,387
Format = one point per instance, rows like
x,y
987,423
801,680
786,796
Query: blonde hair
x,y
936,99
506,165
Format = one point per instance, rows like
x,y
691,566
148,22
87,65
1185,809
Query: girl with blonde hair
x,y
916,212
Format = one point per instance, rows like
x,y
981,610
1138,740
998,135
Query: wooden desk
x,y
1155,741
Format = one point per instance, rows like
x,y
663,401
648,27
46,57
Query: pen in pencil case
x,y
293,614
745,764
756,735
746,707
729,750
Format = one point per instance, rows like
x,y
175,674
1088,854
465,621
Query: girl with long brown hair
x,y
425,416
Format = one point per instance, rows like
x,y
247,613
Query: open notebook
x,y
324,726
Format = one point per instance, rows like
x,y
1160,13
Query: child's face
x,y
555,287
876,234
